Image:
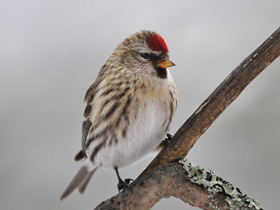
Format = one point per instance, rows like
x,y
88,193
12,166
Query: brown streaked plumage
x,y
129,107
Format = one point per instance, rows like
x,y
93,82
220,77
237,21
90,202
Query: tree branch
x,y
160,179
163,182
190,183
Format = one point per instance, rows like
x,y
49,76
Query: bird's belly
x,y
143,135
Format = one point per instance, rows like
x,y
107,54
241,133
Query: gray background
x,y
51,51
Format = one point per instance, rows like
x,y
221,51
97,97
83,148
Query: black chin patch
x,y
162,73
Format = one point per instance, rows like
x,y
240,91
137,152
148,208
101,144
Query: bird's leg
x,y
167,141
122,184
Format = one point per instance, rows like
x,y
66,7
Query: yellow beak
x,y
164,63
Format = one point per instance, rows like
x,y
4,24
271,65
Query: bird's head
x,y
145,53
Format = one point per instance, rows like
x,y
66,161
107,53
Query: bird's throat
x,y
161,73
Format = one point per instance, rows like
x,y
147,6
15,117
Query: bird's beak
x,y
164,63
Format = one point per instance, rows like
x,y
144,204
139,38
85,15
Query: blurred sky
x,y
51,51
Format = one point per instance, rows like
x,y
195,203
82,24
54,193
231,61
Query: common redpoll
x,y
129,108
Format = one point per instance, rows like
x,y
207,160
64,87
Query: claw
x,y
123,184
127,181
167,141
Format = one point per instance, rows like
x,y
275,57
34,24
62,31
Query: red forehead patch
x,y
156,43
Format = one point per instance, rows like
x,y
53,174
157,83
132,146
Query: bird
x,y
129,108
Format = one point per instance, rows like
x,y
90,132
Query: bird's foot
x,y
124,184
167,141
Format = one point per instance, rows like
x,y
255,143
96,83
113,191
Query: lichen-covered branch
x,y
190,183
166,181
218,101
215,185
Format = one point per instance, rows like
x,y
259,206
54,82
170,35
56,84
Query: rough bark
x,y
166,181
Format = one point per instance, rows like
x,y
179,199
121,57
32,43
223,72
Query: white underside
x,y
143,136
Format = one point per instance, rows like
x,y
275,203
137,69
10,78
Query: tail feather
x,y
85,182
79,181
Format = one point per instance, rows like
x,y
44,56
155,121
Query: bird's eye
x,y
145,56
